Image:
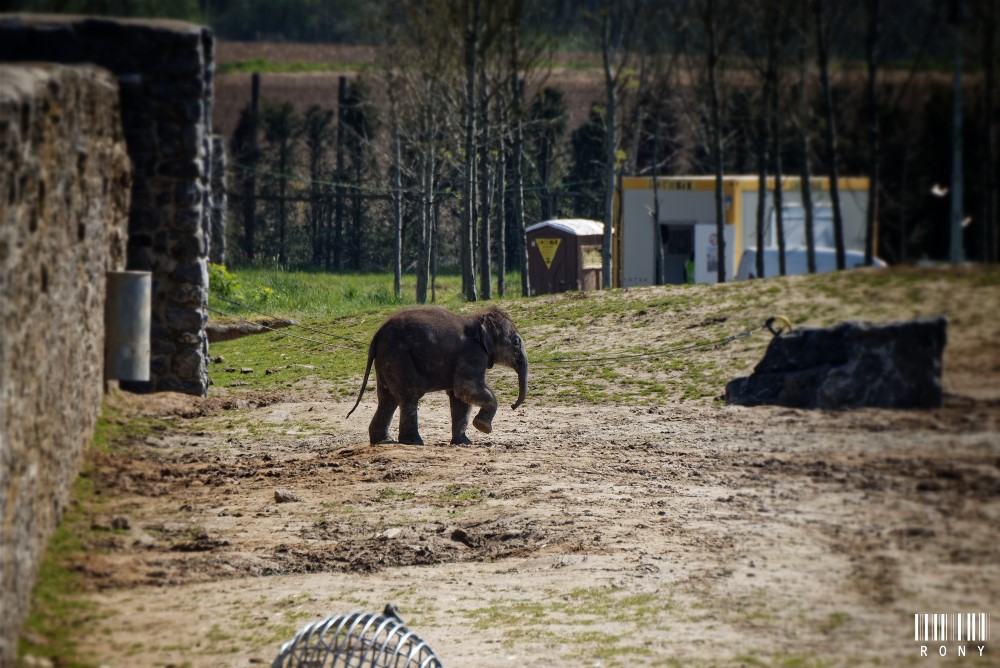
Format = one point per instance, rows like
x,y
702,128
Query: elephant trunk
x,y
522,380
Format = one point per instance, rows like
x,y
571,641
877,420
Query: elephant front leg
x,y
378,428
459,420
479,394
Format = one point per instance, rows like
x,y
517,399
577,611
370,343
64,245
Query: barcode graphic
x,y
953,627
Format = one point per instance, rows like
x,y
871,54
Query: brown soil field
x,y
667,533
232,91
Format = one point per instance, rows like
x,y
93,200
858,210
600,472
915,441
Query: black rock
x,y
850,365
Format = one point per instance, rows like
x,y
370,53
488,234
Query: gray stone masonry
x,y
165,74
850,365
65,182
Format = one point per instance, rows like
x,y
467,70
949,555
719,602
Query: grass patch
x,y
267,66
393,494
58,613
580,619
464,495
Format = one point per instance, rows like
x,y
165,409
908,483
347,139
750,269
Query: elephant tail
x,y
364,383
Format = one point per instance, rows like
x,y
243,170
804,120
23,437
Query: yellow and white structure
x,y
688,227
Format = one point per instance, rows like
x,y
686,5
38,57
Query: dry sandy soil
x,y
686,533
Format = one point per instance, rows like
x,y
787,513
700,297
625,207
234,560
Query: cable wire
x,y
661,353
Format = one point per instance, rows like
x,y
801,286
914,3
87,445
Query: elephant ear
x,y
485,338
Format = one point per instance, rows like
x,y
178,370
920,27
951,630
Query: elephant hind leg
x,y
408,431
477,393
378,428
459,420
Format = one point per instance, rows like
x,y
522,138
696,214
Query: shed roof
x,y
578,226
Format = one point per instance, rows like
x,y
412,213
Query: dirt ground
x,y
690,533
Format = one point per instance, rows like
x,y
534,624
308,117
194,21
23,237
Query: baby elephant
x,y
427,349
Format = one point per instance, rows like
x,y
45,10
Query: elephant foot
x,y
377,437
461,439
483,424
413,439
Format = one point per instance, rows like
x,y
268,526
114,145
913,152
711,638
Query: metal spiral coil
x,y
357,639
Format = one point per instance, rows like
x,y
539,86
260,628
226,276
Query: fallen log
x,y
236,330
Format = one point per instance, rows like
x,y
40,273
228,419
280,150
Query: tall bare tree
x,y
397,187
341,174
617,20
823,23
282,129
988,11
485,191
805,173
873,12
989,22
471,44
957,18
777,37
710,17
246,149
317,134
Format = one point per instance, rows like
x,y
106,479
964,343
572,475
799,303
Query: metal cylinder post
x,y
127,313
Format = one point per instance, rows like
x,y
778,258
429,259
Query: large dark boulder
x,y
850,365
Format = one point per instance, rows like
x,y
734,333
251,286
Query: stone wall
x,y
165,74
65,184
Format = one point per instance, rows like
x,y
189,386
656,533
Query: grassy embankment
x,y
659,338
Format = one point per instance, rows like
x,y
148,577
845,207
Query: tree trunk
x,y
501,199
610,144
282,185
873,9
466,251
397,200
485,267
357,240
761,191
956,253
805,176
338,233
661,259
427,183
713,64
831,133
762,161
434,248
988,227
250,173
779,218
518,185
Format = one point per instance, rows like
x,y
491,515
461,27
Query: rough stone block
x,y
185,319
849,366
189,364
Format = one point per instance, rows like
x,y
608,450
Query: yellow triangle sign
x,y
547,247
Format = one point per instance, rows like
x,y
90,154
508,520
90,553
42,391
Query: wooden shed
x,y
564,255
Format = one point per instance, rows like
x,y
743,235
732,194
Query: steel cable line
x,y
716,343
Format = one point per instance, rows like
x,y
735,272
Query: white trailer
x,y
688,229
